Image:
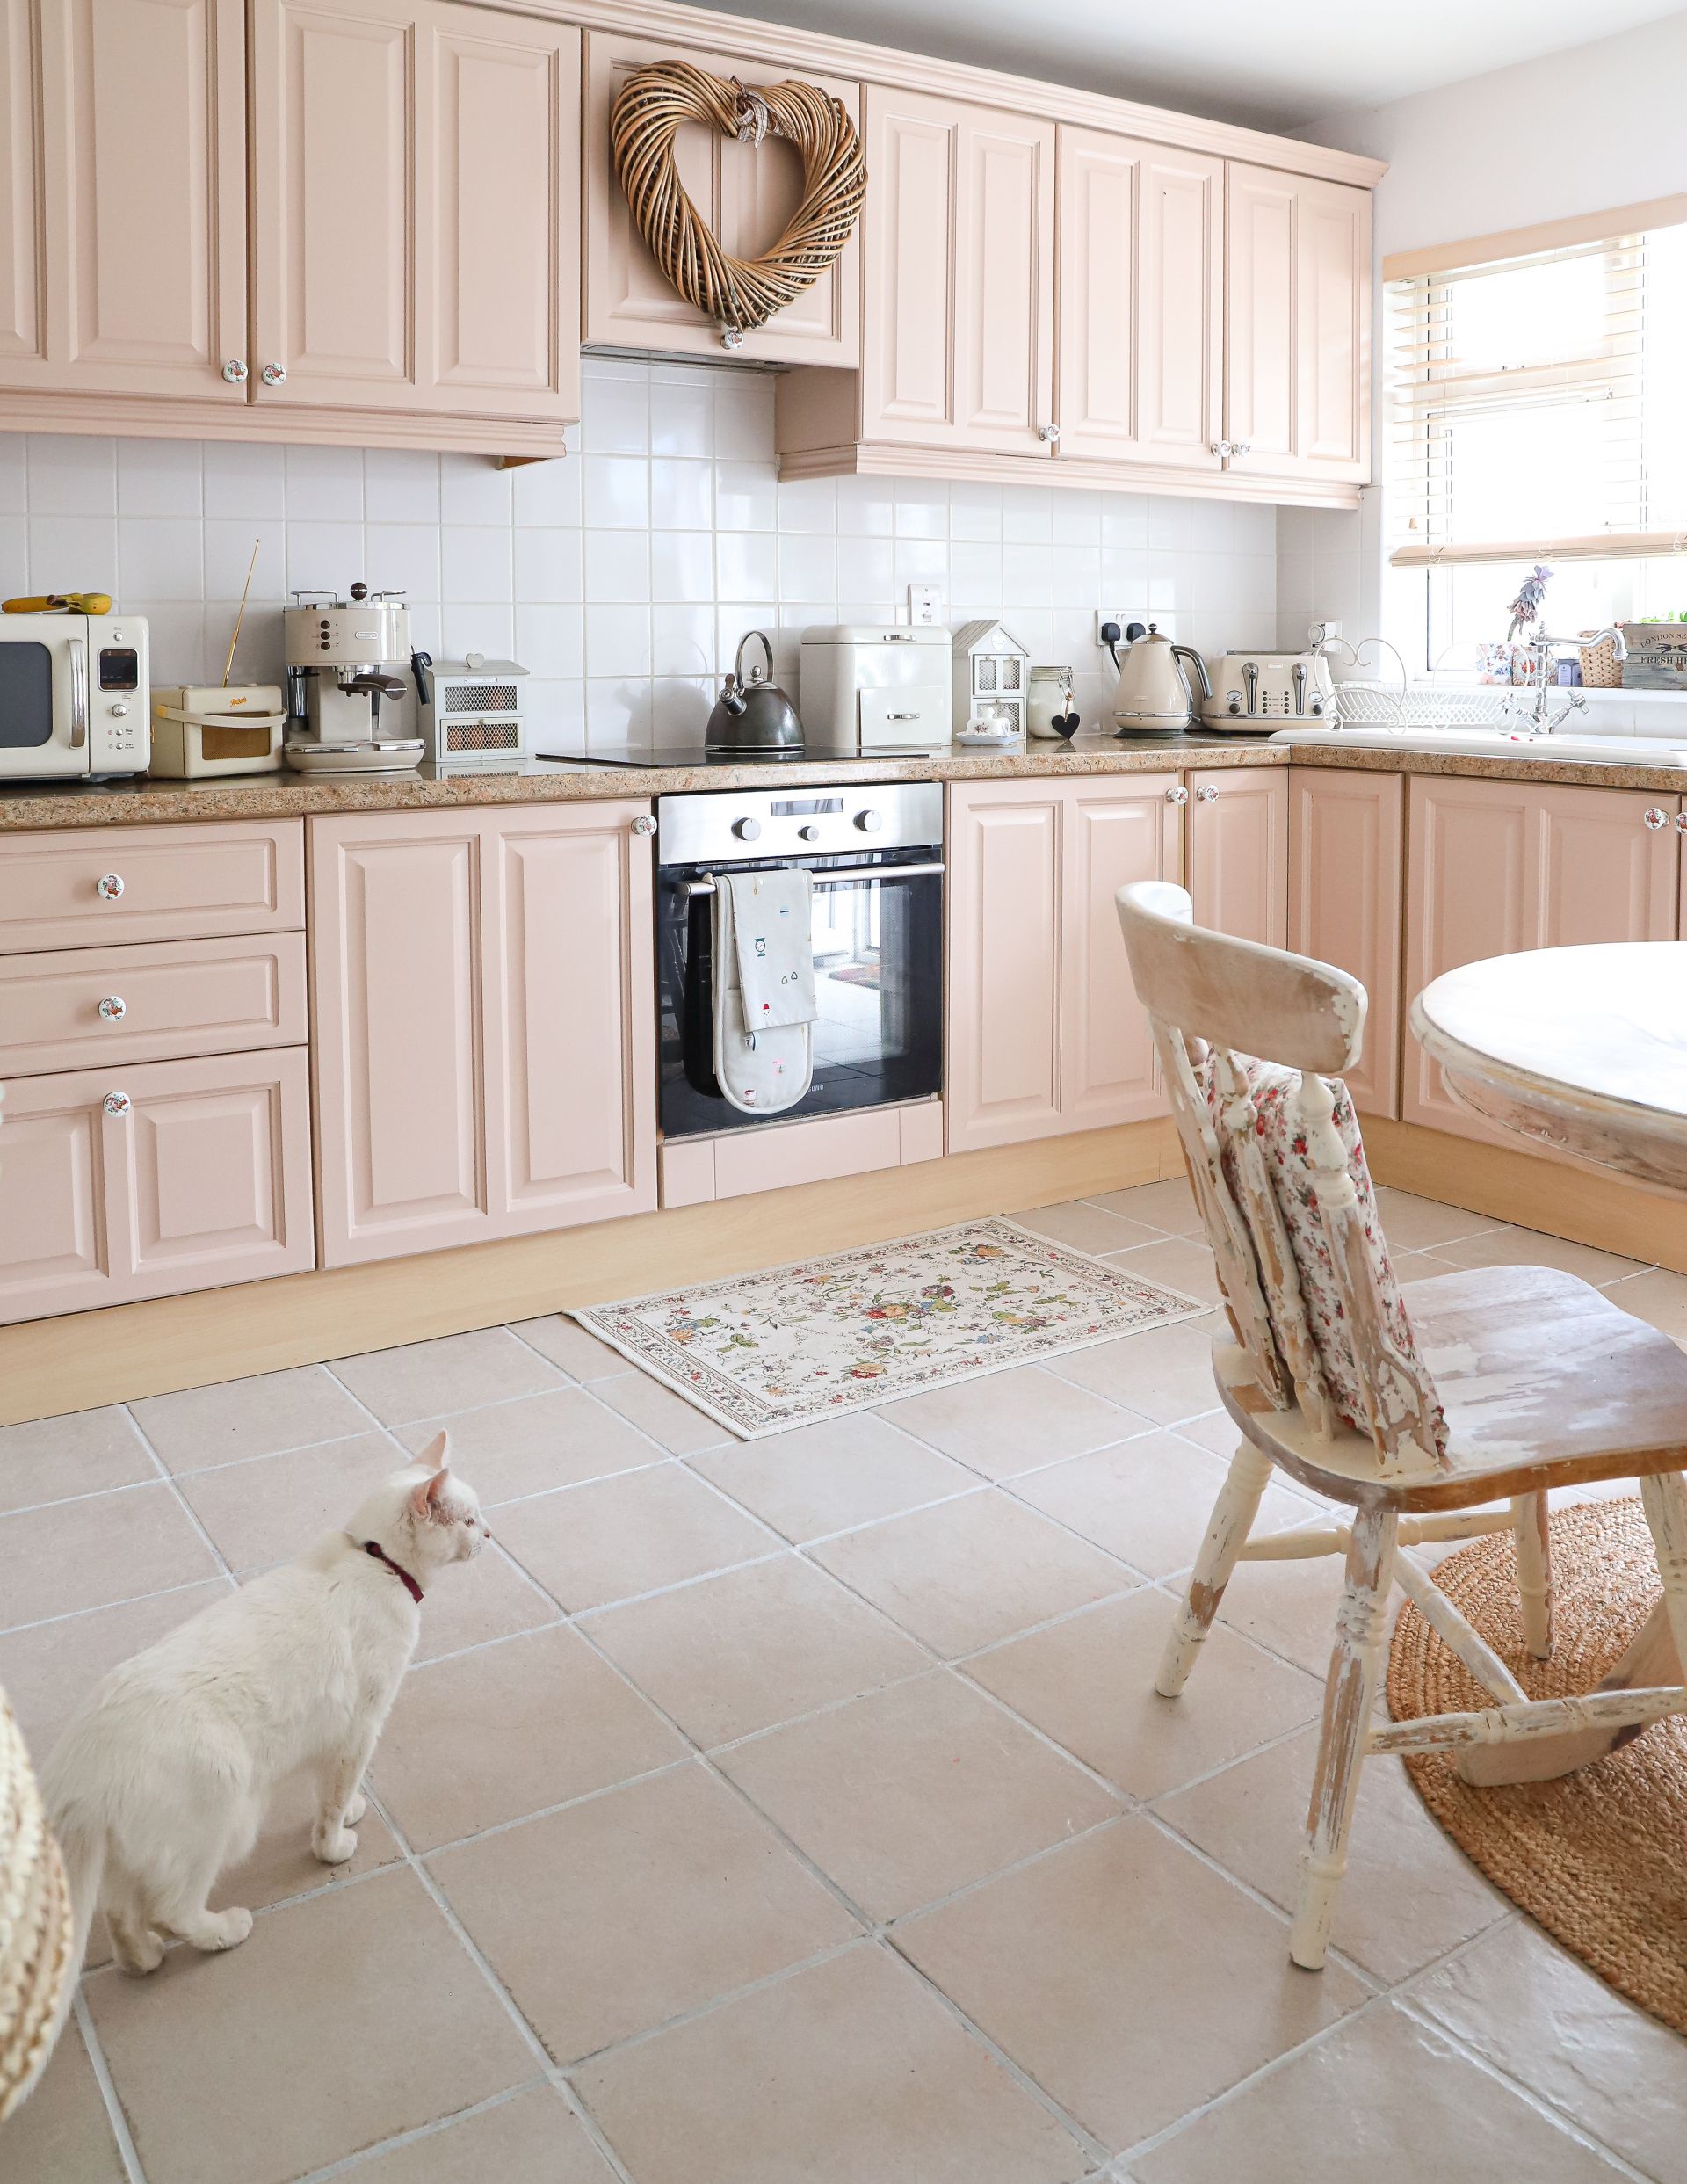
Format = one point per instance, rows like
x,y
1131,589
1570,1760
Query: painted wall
x,y
1572,132
623,576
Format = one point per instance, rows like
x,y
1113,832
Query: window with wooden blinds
x,y
1539,400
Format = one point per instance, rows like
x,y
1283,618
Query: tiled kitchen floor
x,y
801,1812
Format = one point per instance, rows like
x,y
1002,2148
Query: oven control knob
x,y
808,834
747,830
869,822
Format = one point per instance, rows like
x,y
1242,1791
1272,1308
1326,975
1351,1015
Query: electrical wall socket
x,y
1322,632
1112,615
924,604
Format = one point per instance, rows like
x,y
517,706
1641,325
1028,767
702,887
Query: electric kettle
x,y
1154,694
753,712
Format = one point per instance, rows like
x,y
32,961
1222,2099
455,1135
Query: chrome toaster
x,y
1259,691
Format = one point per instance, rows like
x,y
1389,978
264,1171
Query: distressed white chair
x,y
1541,1379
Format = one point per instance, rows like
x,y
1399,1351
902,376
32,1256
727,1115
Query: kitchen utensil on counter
x,y
473,718
1153,695
1254,692
1050,712
752,712
59,602
878,687
341,656
989,735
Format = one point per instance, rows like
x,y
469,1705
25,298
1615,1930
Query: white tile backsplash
x,y
624,575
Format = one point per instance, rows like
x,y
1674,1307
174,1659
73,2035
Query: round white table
x,y
1584,1050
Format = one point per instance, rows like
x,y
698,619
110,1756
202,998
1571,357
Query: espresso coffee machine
x,y
344,684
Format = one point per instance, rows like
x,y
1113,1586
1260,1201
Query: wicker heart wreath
x,y
739,293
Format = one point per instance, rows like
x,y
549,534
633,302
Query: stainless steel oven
x,y
876,855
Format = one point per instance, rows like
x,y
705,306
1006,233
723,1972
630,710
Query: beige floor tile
x,y
1147,1501
1528,2008
1086,1228
1412,1223
342,2021
47,1671
1380,2098
1216,1432
1418,1266
273,1508
634,1908
566,1343
1088,1683
531,2138
1175,1263
281,1863
1527,1247
828,1477
849,2074
249,1417
1410,1894
1131,1980
970,1571
674,1424
1002,1423
1164,1375
87,1554
1659,1297
85,1452
495,1735
487,1598
617,1537
735,1654
422,1380
1289,1608
1169,1206
61,2134
528,1447
913,1793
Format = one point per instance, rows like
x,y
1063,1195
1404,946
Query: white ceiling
x,y
1274,66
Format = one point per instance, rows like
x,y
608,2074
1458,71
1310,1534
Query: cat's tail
x,y
82,1846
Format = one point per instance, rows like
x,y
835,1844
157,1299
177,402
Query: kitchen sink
x,y
1496,742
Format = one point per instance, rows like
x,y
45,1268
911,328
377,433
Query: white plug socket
x,y
924,605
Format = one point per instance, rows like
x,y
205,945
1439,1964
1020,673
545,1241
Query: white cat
x,y
163,1776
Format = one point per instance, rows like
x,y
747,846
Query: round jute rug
x,y
1599,1857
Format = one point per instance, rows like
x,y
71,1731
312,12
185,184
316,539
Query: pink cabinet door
x,y
415,198
1141,303
1115,832
959,275
1607,868
1298,325
1346,846
1005,940
571,1060
397,1033
123,203
124,1183
746,194
1237,861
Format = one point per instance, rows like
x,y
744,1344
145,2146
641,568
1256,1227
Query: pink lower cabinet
x,y
483,1017
138,1181
1497,867
1237,865
1346,852
1044,1032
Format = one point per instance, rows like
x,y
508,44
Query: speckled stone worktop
x,y
28,805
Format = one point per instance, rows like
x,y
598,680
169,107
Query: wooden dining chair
x,y
1415,1409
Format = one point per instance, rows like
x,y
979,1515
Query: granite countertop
x,y
42,804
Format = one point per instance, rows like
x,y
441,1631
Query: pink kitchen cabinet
x,y
124,1182
483,1025
1238,850
1346,869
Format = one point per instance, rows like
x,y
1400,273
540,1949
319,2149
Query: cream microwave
x,y
74,696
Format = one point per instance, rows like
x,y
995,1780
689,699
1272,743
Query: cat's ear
x,y
427,1494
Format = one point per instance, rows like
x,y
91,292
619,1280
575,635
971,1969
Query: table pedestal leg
x,y
1650,1659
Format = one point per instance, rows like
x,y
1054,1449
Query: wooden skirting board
x,y
83,1358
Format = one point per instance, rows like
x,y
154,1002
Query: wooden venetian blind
x,y
1538,393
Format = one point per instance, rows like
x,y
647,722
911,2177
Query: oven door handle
x,y
836,878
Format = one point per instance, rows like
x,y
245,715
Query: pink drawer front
x,y
123,1183
85,1008
86,889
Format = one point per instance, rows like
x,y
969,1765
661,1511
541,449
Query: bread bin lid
x,y
899,634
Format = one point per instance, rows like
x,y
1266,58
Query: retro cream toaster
x,y
1259,691
200,730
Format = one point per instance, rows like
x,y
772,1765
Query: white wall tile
x,y
679,710
744,417
866,507
807,567
809,504
245,478
476,563
615,492
547,492
400,485
74,554
618,641
682,640
866,571
746,496
551,640
404,557
1027,515
618,419
617,567
474,491
160,557
548,564
974,510
682,494
488,628
324,484
14,555
14,475
746,565
1076,516
322,557
70,474
921,508
681,416
228,544
682,565
159,477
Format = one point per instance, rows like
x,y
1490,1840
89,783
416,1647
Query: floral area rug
x,y
762,1352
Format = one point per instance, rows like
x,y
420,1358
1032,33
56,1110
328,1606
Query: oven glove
x,y
767,1069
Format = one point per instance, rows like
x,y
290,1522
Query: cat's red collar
x,y
374,1548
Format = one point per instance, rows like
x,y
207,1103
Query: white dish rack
x,y
1386,705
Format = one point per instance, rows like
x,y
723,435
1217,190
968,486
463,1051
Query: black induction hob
x,y
625,754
